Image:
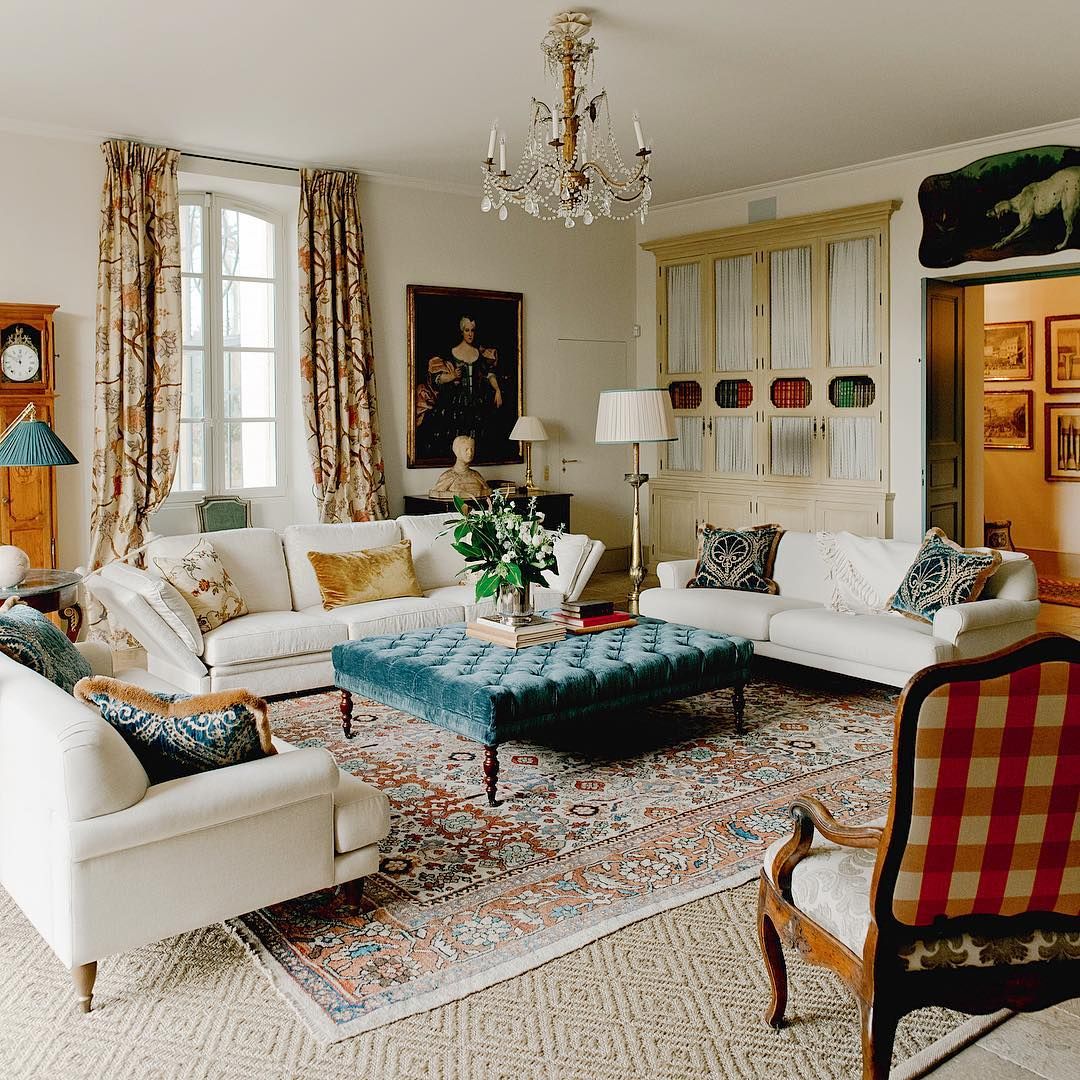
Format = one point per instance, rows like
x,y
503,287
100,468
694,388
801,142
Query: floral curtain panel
x,y
337,365
137,382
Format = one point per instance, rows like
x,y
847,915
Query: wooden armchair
x,y
968,896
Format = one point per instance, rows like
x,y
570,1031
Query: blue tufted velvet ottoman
x,y
489,693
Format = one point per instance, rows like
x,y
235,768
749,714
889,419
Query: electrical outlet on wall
x,y
547,474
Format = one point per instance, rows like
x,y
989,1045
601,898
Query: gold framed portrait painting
x,y
1007,420
1062,441
1062,354
1007,352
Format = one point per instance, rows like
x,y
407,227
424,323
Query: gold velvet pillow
x,y
355,577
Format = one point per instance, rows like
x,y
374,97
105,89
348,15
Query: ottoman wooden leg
x,y
346,713
738,699
491,772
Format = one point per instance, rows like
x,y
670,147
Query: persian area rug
x,y
1059,591
596,830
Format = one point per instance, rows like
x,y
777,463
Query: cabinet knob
x,y
5,501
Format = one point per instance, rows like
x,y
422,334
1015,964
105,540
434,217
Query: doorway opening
x,y
1002,414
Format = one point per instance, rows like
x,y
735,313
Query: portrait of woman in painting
x,y
467,383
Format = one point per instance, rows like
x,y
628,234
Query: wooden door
x,y
943,478
26,498
673,524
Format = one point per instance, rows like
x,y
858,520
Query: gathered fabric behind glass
x,y
851,304
734,444
791,445
853,448
684,318
686,451
735,313
789,308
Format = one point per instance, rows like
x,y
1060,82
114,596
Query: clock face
x,y
20,362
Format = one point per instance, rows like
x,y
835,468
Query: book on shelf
x,y
586,609
590,620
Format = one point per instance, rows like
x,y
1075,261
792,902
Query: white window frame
x,y
214,351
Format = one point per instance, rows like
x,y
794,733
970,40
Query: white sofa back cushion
x,y
798,569
864,571
252,557
298,540
437,563
571,550
164,598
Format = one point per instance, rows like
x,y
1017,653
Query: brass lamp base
x,y
638,569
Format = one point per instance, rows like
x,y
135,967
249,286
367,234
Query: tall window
x,y
230,415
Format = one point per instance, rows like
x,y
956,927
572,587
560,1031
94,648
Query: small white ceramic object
x,y
14,562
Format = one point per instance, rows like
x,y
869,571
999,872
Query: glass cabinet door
x,y
734,281
852,303
683,318
687,452
852,447
790,302
791,445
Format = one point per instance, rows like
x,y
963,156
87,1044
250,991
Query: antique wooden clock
x,y
28,374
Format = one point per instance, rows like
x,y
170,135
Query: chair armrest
x,y
676,575
98,655
809,815
950,622
204,800
585,571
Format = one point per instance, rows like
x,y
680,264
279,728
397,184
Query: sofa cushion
x,y
361,814
726,610
163,597
298,540
252,557
571,550
864,571
266,635
736,558
886,641
357,577
465,596
436,561
392,616
943,574
176,735
30,639
798,569
202,580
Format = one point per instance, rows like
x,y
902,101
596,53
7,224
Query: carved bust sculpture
x,y
461,479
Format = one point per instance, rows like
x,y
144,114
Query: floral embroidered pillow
x,y
202,580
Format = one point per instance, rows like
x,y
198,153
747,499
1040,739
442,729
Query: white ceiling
x,y
731,92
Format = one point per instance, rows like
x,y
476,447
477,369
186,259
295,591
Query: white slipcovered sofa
x,y
102,861
796,625
283,644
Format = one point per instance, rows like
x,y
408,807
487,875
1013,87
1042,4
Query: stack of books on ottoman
x,y
538,632
591,616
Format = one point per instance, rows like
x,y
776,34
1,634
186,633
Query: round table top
x,y
42,581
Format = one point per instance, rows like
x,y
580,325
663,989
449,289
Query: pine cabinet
x,y
772,341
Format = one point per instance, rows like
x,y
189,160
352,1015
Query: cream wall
x,y
577,286
1045,515
893,179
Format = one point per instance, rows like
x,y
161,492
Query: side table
x,y
51,590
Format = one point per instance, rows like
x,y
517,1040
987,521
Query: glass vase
x,y
513,604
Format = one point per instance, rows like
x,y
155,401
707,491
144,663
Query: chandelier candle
x,y
557,179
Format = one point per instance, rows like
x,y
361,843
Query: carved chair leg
x,y
773,954
878,1034
83,977
352,892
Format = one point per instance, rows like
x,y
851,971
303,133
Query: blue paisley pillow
x,y
30,639
176,735
943,574
737,558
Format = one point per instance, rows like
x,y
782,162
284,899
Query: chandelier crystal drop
x,y
571,168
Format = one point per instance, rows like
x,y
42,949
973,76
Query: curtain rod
x,y
239,161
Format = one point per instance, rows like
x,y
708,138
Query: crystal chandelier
x,y
571,167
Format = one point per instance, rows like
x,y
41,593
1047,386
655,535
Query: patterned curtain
x,y
337,364
137,385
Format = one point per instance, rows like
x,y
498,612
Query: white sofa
x,y
101,861
283,644
796,625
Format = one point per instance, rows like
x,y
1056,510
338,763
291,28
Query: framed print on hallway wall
x,y
1007,420
1062,441
1007,352
1062,354
466,354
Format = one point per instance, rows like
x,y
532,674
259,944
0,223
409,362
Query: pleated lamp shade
x,y
33,442
634,416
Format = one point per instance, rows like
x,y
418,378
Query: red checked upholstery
x,y
995,826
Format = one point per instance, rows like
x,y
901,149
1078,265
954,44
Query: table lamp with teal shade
x,y
27,441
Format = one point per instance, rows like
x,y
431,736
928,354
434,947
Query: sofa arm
x,y
676,575
204,800
98,655
950,622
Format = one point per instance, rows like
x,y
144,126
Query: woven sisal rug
x,y
597,830
1057,591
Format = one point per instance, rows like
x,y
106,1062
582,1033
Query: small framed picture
x,y
1007,351
1062,354
1007,420
1062,441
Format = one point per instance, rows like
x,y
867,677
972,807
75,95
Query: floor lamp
x,y
635,416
